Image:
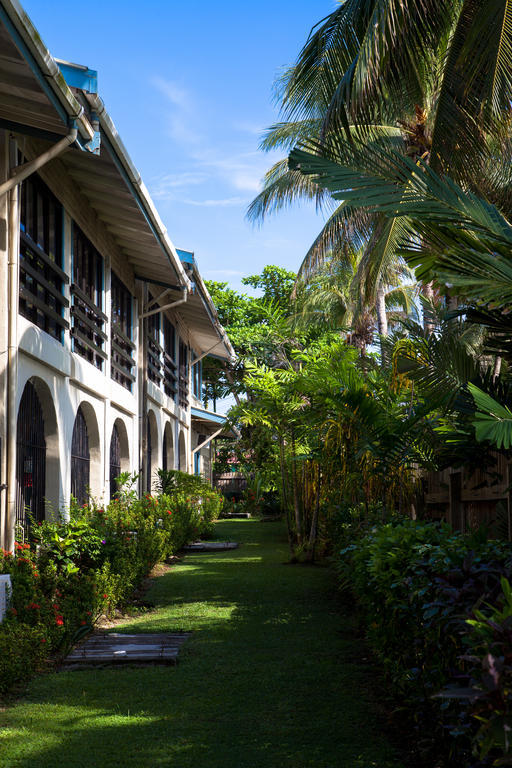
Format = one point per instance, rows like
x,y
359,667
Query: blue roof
x,y
199,413
78,76
186,256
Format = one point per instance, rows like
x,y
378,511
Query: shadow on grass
x,y
271,678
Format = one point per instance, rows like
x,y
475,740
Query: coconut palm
x,y
433,75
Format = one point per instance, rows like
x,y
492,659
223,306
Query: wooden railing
x,y
87,331
122,362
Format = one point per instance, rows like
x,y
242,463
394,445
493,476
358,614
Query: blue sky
x,y
189,87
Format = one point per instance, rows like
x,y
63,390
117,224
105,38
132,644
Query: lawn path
x,y
270,679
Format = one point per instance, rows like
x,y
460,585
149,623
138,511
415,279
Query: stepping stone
x,y
210,546
127,649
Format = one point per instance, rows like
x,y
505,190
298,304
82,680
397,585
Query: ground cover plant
x,y
73,570
273,675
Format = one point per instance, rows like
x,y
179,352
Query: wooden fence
x,y
468,498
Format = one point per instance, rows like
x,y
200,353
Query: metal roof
x,y
36,100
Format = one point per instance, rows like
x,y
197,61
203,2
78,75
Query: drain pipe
x,y
11,186
21,172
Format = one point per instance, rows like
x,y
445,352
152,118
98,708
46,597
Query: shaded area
x,y
272,677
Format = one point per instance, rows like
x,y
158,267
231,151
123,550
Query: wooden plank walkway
x,y
210,546
114,648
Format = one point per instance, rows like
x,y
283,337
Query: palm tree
x,y
432,76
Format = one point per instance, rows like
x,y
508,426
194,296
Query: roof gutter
x,y
134,182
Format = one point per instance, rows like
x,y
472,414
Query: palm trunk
x,y
313,533
284,494
428,292
382,320
296,500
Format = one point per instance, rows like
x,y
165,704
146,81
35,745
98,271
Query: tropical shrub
x,y
75,570
427,597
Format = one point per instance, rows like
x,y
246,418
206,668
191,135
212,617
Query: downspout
x,y
21,172
11,186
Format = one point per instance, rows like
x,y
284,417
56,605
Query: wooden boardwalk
x,y
114,648
210,546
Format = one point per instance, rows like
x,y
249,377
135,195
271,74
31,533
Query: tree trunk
x,y
497,368
316,512
382,320
428,292
284,494
296,499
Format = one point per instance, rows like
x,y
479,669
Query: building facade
x,y
103,323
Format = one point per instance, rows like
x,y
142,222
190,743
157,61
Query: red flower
x,y
105,597
14,611
55,607
43,639
83,622
59,622
169,512
36,574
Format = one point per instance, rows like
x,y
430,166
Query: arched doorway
x,y
182,456
115,460
168,448
119,454
80,459
30,459
151,450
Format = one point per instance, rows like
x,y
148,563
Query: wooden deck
x,y
114,648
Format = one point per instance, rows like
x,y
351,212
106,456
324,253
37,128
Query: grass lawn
x,y
272,677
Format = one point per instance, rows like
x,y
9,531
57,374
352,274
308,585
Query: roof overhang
x,y
35,100
201,317
211,422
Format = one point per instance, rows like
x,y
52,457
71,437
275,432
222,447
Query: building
x,y
103,323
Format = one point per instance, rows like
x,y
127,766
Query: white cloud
x,y
164,187
222,203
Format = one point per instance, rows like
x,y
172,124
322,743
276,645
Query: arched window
x,y
30,459
115,460
80,459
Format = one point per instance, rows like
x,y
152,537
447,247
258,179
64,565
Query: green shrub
x,y
23,650
417,584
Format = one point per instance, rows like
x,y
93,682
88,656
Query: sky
x,y
189,87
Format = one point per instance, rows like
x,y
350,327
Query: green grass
x,y
272,677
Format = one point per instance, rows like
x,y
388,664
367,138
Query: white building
x,y
103,323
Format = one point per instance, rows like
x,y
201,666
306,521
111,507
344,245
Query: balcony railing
x,y
41,280
121,357
87,331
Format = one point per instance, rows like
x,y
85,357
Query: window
x,y
80,459
115,460
169,358
183,375
87,288
154,348
197,378
121,344
41,275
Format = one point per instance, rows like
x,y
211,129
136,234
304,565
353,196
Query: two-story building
x,y
103,323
